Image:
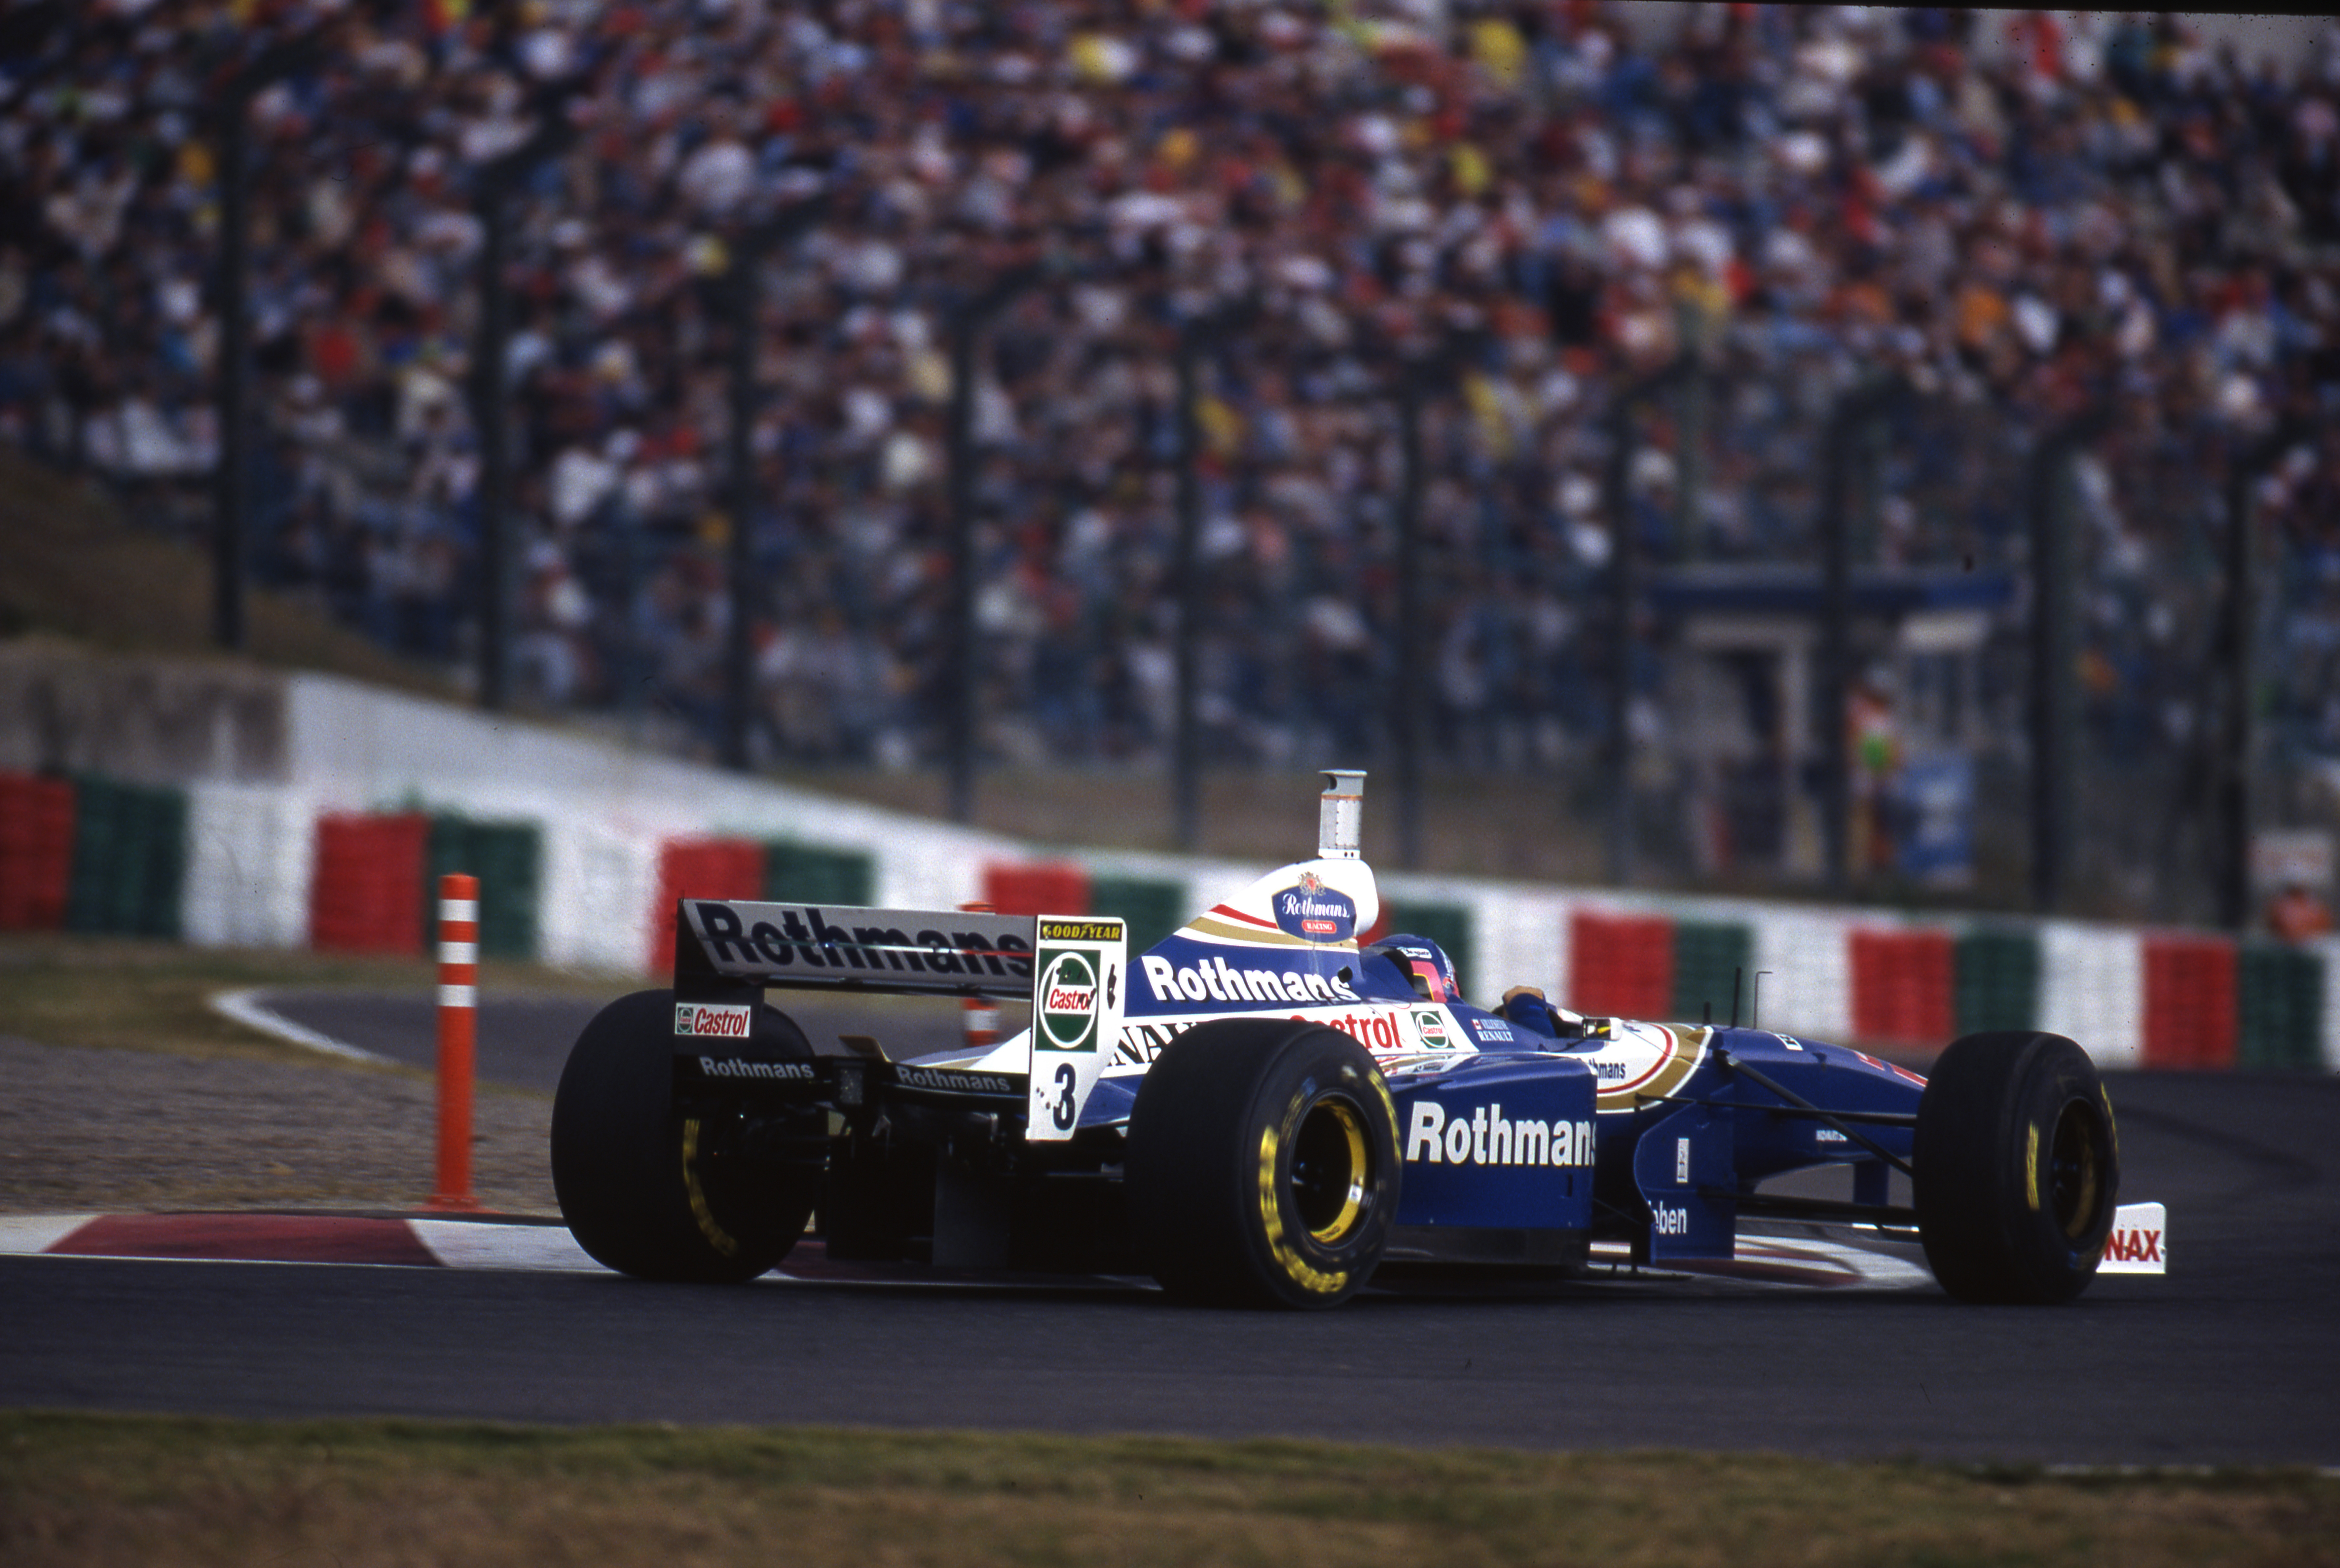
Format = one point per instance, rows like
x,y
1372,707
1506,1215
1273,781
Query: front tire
x,y
1262,1165
2018,1168
666,1192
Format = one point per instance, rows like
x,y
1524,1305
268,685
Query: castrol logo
x,y
1068,1003
714,1020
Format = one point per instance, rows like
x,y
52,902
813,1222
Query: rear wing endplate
x,y
1083,963
1074,966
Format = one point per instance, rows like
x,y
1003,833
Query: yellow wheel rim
x,y
2073,1178
1331,1167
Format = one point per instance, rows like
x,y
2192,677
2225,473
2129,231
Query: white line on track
x,y
246,1007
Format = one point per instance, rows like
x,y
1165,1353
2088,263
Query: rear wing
x,y
1073,968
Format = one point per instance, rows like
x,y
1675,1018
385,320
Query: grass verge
x,y
95,1491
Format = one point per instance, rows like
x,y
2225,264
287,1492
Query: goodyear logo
x,y
1483,1135
1068,1004
1080,930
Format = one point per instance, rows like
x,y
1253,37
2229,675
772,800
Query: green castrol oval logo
x,y
1068,1002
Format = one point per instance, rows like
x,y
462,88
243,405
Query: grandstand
x,y
1633,275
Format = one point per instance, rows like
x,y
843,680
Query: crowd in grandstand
x,y
1528,207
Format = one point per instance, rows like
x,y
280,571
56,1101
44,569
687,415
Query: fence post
x,y
1413,698
1186,588
1624,587
1836,637
1850,461
2054,704
963,722
231,547
459,967
491,393
754,243
2239,740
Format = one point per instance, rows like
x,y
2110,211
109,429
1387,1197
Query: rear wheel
x,y
715,1193
1262,1165
2018,1168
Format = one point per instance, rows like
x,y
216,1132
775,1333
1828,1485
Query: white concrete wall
x,y
1807,989
605,812
2092,989
250,850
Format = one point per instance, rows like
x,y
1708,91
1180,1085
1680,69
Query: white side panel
x,y
1521,939
251,852
916,871
1214,882
599,884
1563,954
2092,989
1809,990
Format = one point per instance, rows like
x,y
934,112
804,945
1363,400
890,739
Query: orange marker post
x,y
980,1016
459,970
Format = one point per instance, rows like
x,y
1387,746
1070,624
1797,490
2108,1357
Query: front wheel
x,y
1262,1165
2018,1168
708,1193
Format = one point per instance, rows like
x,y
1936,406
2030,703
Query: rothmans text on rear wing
x,y
1072,967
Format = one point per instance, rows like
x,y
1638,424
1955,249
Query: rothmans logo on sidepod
x,y
1483,1135
1315,913
1068,1004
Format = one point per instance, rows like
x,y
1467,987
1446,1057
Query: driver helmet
x,y
1423,964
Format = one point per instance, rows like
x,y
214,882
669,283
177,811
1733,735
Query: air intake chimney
x,y
1340,815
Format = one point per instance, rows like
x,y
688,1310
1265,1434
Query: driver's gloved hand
x,y
1525,1006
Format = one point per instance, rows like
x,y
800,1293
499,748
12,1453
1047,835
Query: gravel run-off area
x,y
85,1130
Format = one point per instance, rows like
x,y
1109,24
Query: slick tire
x,y
657,1191
2018,1168
1262,1165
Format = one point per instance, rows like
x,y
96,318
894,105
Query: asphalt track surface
x,y
2230,1358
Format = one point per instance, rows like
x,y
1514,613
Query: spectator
x,y
2298,915
1548,200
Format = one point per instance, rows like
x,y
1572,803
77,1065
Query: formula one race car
x,y
1262,1111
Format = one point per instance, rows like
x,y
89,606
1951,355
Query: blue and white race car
x,y
1260,1110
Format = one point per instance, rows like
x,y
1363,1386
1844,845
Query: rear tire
x,y
669,1193
2018,1168
1262,1165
